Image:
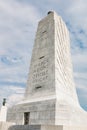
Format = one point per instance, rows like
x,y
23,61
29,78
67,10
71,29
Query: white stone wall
x,y
3,113
63,65
41,112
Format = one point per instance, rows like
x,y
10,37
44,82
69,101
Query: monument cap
x,y
49,12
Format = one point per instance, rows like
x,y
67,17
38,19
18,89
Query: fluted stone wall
x,y
63,64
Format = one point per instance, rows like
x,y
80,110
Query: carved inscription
x,y
40,71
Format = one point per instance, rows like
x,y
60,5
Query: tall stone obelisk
x,y
51,68
50,97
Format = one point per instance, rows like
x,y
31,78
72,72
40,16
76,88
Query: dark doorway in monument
x,y
26,118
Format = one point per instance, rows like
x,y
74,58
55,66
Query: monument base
x,y
36,113
47,112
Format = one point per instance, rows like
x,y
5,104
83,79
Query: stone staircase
x,y
25,127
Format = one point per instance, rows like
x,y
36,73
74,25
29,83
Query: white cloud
x,y
17,25
79,59
13,94
14,99
16,20
17,96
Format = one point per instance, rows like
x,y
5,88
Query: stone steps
x,y
25,127
11,126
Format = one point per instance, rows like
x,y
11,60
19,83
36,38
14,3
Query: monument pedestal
x,y
47,112
3,113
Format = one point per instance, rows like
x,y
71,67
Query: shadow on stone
x,y
25,127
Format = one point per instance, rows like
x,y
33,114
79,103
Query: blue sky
x,y
18,23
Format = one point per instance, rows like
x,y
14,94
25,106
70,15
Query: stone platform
x,y
25,127
9,126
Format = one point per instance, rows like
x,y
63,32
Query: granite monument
x,y
50,98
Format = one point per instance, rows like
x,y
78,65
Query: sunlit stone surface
x,y
3,113
50,97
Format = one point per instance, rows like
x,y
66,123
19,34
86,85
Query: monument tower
x,y
50,96
51,69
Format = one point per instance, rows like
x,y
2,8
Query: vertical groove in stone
x,y
64,73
